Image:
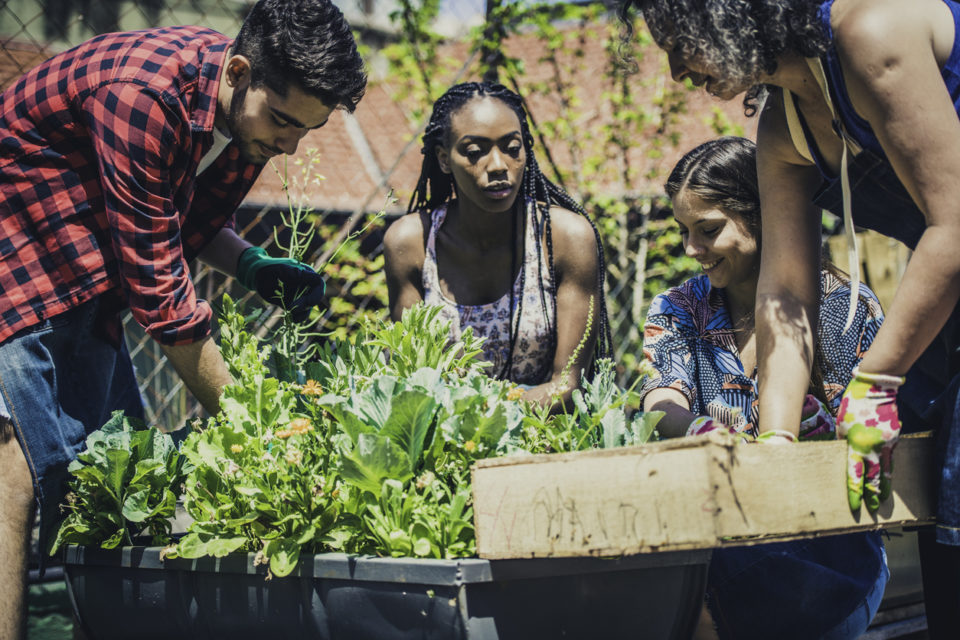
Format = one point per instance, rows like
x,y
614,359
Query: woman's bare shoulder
x,y
569,226
405,239
406,231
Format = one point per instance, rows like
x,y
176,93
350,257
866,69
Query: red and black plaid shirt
x,y
99,148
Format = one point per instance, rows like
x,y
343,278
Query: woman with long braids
x,y
699,339
862,119
501,248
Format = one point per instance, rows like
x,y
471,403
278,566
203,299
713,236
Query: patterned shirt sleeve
x,y
843,350
137,141
667,335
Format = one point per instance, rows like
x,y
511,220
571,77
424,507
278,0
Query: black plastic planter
x,y
130,593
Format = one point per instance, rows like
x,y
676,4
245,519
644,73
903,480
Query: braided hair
x,y
434,188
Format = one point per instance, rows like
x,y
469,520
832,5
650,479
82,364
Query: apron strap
x,y
796,130
850,146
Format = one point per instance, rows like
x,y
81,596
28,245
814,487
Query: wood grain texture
x,y
691,493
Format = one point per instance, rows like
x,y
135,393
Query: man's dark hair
x,y
742,37
435,188
306,43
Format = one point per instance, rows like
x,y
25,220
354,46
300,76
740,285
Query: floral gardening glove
x,y
721,416
705,424
286,282
816,421
868,420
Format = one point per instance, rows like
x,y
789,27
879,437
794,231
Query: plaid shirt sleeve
x,y
139,141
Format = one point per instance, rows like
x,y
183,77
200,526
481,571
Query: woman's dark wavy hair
x,y
435,188
306,43
723,172
743,37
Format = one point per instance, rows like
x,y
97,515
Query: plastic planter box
x,y
131,593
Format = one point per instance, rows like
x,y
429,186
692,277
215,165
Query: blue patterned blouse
x,y
689,339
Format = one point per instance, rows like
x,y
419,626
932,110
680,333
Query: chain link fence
x,y
369,162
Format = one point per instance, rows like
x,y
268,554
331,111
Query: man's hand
x,y
286,282
869,421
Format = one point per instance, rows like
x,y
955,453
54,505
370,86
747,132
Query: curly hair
x,y
435,188
307,43
744,38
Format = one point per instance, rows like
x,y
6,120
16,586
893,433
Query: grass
x,y
49,614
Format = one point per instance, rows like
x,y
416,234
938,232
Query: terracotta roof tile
x,y
388,127
385,144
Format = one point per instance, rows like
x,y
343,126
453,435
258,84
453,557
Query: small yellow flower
x,y
469,445
312,388
283,434
294,457
236,448
300,426
515,394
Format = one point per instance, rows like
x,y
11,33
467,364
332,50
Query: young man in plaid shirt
x,y
120,161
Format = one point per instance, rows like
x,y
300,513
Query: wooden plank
x,y
691,493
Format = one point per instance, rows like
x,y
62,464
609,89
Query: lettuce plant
x,y
125,484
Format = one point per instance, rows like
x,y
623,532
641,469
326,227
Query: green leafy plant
x,y
378,462
603,416
125,484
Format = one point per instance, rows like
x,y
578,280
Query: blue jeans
x,y
799,590
858,621
59,381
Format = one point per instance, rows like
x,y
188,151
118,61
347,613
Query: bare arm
x,y
404,253
202,369
788,288
677,415
223,252
890,62
575,265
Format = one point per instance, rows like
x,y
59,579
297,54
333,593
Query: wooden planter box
x,y
690,493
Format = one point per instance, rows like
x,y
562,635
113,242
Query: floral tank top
x,y
532,354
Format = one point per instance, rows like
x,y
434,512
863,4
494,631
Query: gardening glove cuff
x,y
869,421
728,415
286,282
777,436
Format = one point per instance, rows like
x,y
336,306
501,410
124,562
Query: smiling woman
x,y
499,247
699,338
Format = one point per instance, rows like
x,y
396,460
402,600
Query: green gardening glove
x,y
869,421
286,282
